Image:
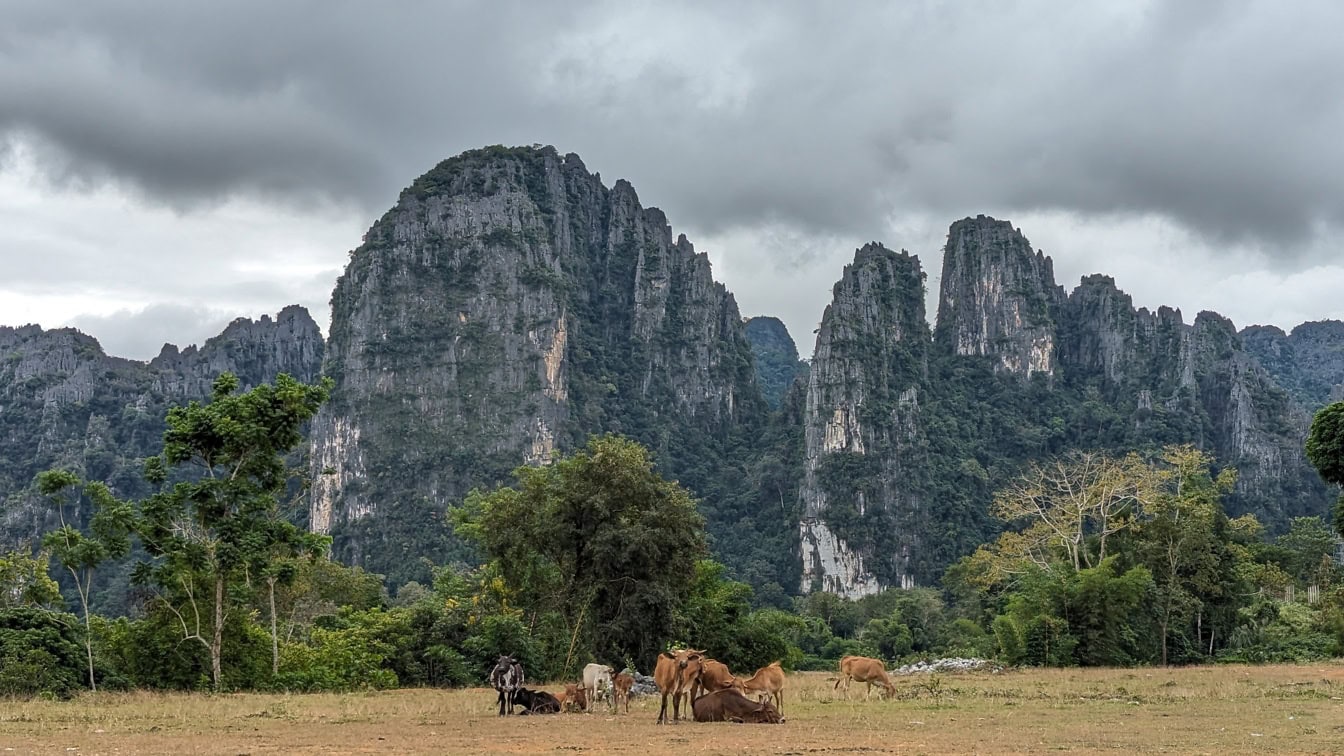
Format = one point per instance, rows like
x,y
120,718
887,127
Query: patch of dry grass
x,y
1216,710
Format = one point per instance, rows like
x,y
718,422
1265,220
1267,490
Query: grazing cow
x,y
769,683
620,687
729,705
575,699
864,670
676,674
506,677
536,701
714,675
597,682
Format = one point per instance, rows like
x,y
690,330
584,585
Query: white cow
x,y
597,682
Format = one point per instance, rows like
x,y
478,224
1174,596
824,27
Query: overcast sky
x,y
165,168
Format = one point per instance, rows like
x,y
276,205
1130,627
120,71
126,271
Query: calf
x,y
506,677
728,705
676,674
768,680
596,682
575,698
864,670
536,701
620,687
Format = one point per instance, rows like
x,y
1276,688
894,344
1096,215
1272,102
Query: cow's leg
x,y
676,706
662,712
779,701
501,702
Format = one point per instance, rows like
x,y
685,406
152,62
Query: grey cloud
x,y
1222,117
140,334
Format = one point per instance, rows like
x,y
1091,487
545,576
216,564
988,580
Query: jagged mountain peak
x,y
998,298
507,307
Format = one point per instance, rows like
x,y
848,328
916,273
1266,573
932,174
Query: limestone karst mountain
x,y
511,304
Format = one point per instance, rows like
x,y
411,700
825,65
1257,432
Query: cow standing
x,y
506,677
676,674
864,670
596,679
714,675
768,681
620,690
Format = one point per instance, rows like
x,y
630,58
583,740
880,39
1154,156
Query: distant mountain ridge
x,y
511,304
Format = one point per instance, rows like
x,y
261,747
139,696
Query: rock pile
x,y
942,665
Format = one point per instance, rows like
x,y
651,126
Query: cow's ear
x,y
669,654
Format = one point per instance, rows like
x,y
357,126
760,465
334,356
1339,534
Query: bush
x,y
40,653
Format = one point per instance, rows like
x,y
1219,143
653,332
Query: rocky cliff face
x,y
507,307
1169,382
776,355
898,474
1308,362
997,298
862,432
66,403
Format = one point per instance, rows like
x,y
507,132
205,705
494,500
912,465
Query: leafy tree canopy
x,y
599,537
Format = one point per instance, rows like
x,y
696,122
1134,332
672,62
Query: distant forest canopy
x,y
596,557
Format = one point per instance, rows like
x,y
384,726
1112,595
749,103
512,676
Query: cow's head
x,y
766,714
691,665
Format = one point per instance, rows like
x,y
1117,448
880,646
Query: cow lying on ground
x,y
620,687
536,701
864,670
728,705
597,682
768,682
506,677
676,674
574,699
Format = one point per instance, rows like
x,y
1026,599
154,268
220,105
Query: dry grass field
x,y
1214,710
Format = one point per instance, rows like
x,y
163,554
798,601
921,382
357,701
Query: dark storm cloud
x,y
1223,117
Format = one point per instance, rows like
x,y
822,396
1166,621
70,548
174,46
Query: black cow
x,y
536,701
506,677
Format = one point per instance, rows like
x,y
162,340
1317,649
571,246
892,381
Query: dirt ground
x,y
1213,710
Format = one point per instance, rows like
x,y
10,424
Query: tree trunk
x,y
217,641
275,638
88,639
1164,640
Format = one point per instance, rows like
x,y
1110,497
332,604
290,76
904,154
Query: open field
x,y
1215,710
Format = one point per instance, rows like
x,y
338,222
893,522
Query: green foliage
x,y
235,445
40,653
25,582
350,655
598,537
1325,450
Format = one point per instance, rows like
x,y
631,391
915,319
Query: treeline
x,y
595,557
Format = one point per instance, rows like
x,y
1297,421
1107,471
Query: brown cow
x,y
620,686
676,674
575,698
714,675
769,681
864,670
728,705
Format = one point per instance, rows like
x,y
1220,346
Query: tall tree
x,y
1179,538
599,537
1071,499
216,527
1325,450
81,553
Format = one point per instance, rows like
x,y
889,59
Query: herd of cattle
x,y
713,693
